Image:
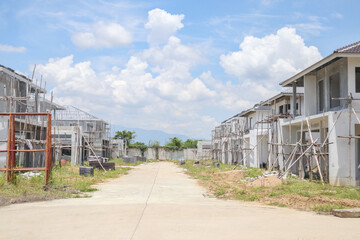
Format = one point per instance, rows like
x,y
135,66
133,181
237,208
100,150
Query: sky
x,y
181,67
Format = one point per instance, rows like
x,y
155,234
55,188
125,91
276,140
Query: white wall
x,y
352,63
150,153
341,154
310,99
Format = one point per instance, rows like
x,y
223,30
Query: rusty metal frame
x,y
11,150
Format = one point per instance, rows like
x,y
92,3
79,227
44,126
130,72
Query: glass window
x,y
357,79
281,109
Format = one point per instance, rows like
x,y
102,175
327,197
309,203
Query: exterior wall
x,y
69,136
14,85
150,153
3,136
352,63
117,148
324,74
204,150
310,95
343,162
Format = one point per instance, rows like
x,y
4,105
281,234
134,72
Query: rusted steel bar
x,y
24,150
48,155
11,148
22,169
24,114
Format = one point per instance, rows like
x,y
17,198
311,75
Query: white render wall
x,y
310,96
150,153
75,141
341,154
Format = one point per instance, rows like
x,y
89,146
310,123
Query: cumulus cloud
x,y
155,84
270,59
162,25
156,88
9,48
108,35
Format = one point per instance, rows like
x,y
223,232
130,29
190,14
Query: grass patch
x,y
277,204
220,191
65,182
293,193
327,207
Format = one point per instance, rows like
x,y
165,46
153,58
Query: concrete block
x,y
86,171
347,213
128,159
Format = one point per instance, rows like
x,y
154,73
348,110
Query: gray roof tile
x,y
352,48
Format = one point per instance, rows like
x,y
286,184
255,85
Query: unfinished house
x,y
280,107
79,135
251,137
254,133
323,143
117,148
19,95
221,142
216,143
204,150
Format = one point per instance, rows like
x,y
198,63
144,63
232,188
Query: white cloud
x,y
108,35
270,59
9,48
162,25
155,85
157,90
337,15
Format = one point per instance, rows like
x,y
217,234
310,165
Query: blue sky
x,y
176,66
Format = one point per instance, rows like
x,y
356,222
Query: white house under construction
x,y
312,131
76,134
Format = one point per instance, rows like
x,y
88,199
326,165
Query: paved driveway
x,y
158,201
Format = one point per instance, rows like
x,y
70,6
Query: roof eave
x,y
317,65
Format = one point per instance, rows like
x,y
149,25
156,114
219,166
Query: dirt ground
x,y
158,201
235,184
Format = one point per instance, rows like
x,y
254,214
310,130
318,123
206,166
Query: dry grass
x,y
65,183
224,182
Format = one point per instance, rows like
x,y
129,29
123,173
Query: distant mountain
x,y
143,135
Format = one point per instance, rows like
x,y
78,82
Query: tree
x,y
190,143
154,144
127,136
139,145
174,144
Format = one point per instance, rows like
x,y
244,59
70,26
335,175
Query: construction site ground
x,y
65,182
258,185
159,201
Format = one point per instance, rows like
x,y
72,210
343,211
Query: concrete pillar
x,y
294,99
310,101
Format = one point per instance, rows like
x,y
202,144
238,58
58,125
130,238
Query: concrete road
x,y
158,201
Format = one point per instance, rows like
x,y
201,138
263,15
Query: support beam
x,y
294,99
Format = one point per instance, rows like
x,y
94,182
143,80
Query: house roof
x,y
74,113
351,50
286,93
21,77
257,107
